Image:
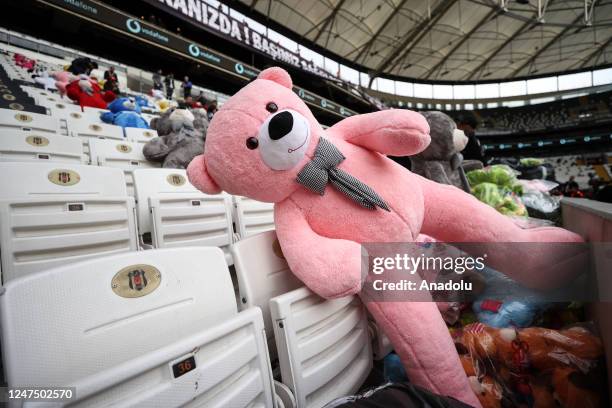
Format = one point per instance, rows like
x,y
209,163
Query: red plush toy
x,y
86,92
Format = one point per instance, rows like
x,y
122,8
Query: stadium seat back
x,y
197,219
157,329
28,121
55,213
262,274
25,146
252,217
121,154
86,130
140,135
175,213
324,349
63,108
149,182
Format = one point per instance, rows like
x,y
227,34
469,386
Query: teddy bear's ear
x,y
278,75
199,177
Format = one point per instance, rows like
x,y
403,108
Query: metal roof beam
x,y
465,38
409,42
599,50
518,32
329,19
547,45
370,42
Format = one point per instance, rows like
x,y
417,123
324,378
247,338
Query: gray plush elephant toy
x,y
181,137
441,161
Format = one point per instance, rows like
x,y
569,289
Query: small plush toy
x,y
160,100
86,92
45,80
124,112
181,138
335,189
441,160
62,79
505,303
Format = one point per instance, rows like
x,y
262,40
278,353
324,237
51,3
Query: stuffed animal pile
x,y
124,112
87,92
181,137
335,189
24,62
533,367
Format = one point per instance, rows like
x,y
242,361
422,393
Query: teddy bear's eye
x,y
252,143
271,107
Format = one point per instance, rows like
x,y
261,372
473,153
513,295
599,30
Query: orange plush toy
x,y
543,368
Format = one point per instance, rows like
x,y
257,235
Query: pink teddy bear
x,y
335,189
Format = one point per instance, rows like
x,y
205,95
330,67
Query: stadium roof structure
x,y
452,40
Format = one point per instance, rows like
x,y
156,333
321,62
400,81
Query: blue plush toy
x,y
124,112
505,303
143,102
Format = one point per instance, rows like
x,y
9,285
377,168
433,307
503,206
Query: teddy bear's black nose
x,y
280,125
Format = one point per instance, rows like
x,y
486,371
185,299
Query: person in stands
x,y
571,188
211,109
202,99
169,83
157,80
111,80
186,85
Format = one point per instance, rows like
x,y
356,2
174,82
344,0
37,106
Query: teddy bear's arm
x,y
397,132
452,215
329,267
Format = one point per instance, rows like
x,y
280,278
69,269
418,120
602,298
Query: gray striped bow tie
x,y
322,170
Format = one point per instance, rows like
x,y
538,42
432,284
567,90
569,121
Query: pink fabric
x,y
321,236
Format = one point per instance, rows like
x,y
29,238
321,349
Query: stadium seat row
x,y
55,213
161,328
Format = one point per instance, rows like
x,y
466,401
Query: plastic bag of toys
x,y
533,367
498,187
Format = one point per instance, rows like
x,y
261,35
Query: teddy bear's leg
x,y
452,215
421,339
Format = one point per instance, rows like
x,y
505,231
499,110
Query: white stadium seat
x,y
121,154
11,119
140,135
324,349
58,107
86,130
55,213
252,217
95,111
176,214
47,100
25,146
262,274
142,329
